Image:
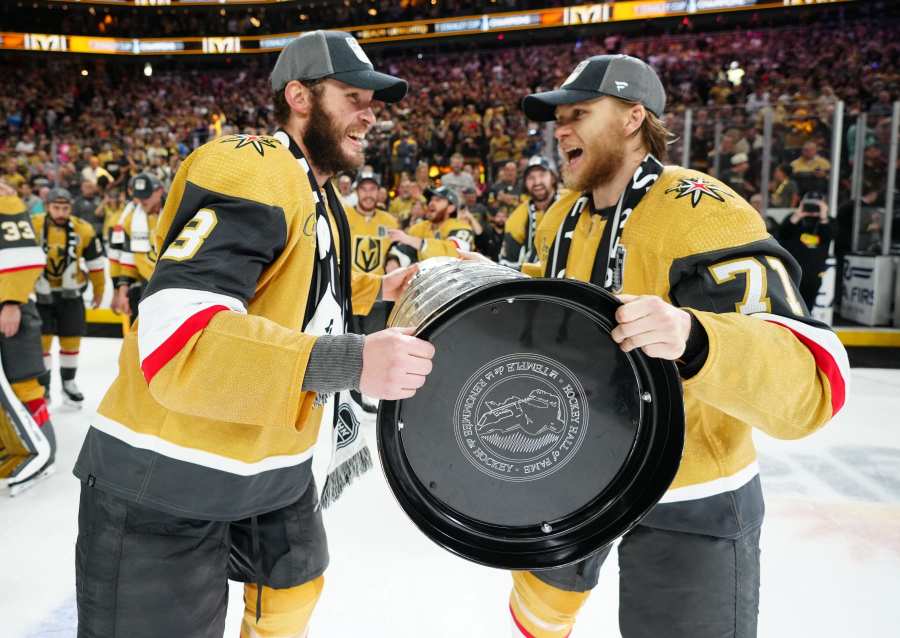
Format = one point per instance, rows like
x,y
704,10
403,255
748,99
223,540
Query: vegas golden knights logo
x,y
367,256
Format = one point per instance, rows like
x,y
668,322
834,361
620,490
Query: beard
x,y
322,139
602,158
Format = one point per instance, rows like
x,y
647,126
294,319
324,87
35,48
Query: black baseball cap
x,y
621,76
336,55
444,191
143,185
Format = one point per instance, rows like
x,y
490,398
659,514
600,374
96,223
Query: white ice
x,y
830,546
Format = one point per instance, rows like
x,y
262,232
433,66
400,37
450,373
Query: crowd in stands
x,y
284,17
92,132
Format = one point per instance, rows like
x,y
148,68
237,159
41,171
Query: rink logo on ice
x,y
520,417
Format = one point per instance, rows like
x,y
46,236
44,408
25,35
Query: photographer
x,y
807,235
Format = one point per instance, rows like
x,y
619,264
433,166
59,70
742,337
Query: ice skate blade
x,y
71,403
16,489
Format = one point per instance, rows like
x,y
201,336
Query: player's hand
x,y
467,255
402,237
397,281
647,322
395,364
6,190
120,304
10,318
96,301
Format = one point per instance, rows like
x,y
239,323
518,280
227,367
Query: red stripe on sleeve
x,y
826,363
154,362
17,268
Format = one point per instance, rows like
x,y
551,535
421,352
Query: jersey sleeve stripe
x,y
126,258
21,258
95,265
826,349
170,317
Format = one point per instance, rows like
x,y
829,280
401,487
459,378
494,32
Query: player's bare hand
x,y
6,190
647,322
397,281
120,304
10,318
96,301
401,237
467,255
395,364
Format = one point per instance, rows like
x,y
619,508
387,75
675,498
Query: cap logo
x,y
574,75
621,85
140,184
358,51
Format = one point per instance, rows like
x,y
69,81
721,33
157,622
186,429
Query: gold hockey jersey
x,y
21,258
446,240
370,239
695,243
207,417
65,247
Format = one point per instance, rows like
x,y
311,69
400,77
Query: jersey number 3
x,y
14,231
192,236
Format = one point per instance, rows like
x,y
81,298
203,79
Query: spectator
x,y
736,176
807,235
33,204
771,224
401,205
456,179
346,191
87,206
810,170
478,210
784,188
505,192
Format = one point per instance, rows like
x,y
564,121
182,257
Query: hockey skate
x,y
17,487
72,396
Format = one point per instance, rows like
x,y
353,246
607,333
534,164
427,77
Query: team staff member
x,y
135,248
199,466
66,240
440,234
369,228
704,285
521,227
26,453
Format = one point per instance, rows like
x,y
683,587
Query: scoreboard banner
x,y
578,15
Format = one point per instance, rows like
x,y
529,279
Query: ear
x,y
298,97
634,119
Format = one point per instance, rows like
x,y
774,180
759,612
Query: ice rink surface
x,y
830,545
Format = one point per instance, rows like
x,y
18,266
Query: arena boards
x,y
536,440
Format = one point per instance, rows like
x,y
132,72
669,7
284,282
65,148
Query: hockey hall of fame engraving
x,y
521,417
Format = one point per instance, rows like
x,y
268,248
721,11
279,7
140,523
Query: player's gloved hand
x,y
647,322
10,318
395,364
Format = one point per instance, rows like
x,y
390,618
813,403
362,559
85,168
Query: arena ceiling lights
x,y
584,14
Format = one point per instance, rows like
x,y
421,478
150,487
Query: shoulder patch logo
x,y
258,142
696,188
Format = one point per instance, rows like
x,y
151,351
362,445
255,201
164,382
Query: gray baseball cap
x,y
336,55
445,192
620,76
59,194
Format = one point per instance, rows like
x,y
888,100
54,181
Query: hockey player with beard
x,y
66,240
440,234
27,441
522,225
200,465
704,285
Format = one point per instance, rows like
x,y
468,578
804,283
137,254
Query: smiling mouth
x,y
573,154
